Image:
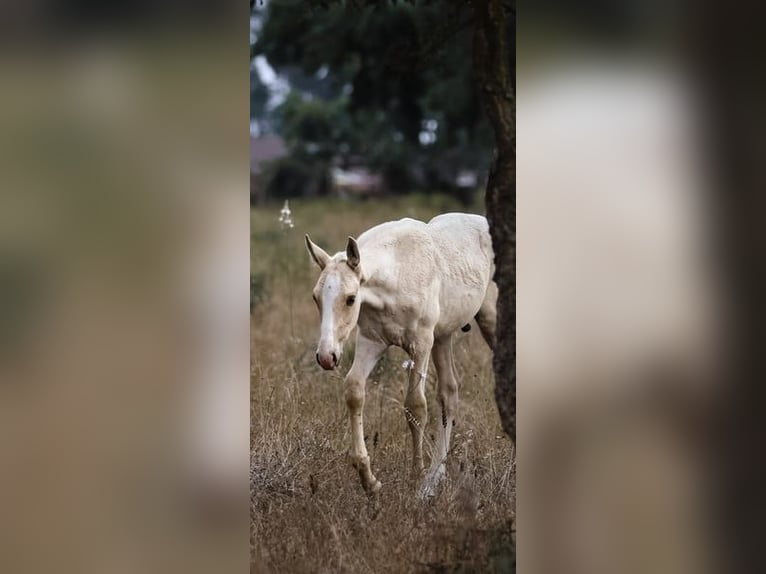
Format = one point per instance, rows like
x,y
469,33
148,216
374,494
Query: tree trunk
x,y
491,55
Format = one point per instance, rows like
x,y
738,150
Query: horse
x,y
412,285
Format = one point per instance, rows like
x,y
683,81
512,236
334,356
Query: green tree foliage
x,y
396,84
314,129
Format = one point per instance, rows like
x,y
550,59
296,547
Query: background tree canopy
x,y
388,85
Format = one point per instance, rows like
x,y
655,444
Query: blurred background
x,y
123,286
364,103
636,220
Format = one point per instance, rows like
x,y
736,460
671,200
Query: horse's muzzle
x,y
328,361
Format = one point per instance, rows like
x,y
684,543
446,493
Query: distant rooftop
x,y
265,148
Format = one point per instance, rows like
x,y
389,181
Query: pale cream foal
x,y
409,284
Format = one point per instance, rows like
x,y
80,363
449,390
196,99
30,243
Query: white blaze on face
x,y
330,292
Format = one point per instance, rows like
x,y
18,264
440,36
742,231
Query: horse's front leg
x,y
367,354
415,407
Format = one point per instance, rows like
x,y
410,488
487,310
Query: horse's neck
x,y
377,271
372,294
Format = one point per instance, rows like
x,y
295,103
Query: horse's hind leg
x,y
448,400
415,407
486,318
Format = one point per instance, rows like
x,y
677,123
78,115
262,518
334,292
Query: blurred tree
x,y
412,72
403,73
313,129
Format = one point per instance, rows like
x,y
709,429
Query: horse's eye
x,y
350,300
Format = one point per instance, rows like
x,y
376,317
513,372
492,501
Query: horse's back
x,y
460,238
444,265
392,234
462,235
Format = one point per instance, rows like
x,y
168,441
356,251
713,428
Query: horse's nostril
x,y
318,361
334,359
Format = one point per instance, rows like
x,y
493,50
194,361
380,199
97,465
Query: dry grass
x,y
308,510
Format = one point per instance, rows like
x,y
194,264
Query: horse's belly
x,y
457,308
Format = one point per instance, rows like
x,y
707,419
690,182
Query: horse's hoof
x,y
375,488
426,493
431,484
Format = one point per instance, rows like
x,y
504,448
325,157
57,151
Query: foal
x,y
412,285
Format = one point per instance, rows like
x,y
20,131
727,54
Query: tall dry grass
x,y
308,510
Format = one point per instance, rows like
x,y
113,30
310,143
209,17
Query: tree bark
x,y
491,55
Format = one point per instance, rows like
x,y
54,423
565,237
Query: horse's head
x,y
337,297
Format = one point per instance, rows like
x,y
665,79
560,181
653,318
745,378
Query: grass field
x,y
308,510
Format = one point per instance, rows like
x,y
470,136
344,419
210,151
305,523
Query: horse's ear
x,y
352,253
317,253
